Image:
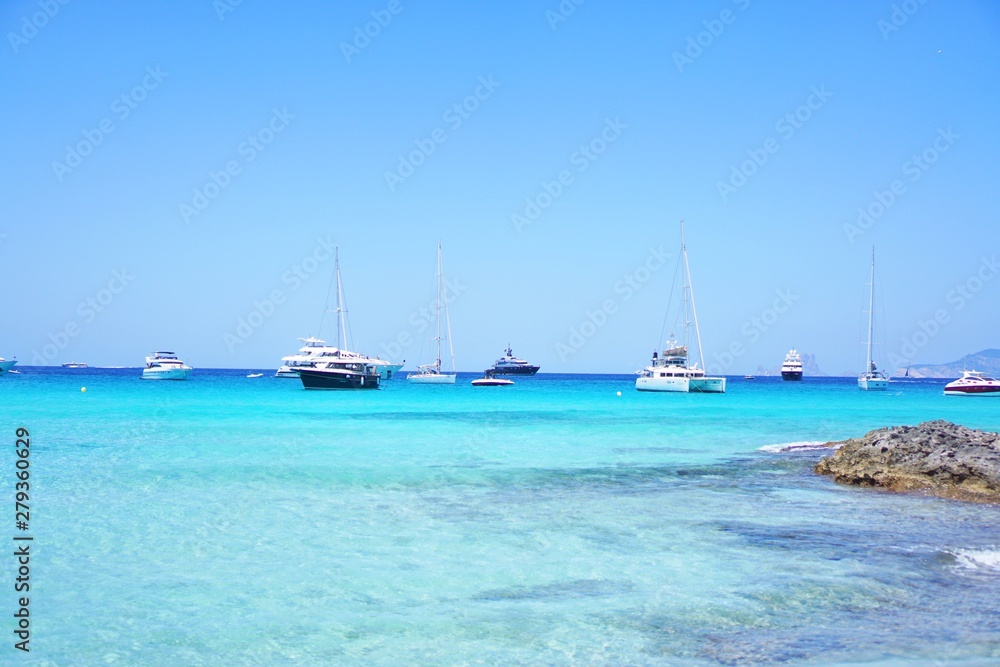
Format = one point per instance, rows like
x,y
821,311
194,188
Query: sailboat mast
x,y
689,288
447,315
342,330
871,314
438,310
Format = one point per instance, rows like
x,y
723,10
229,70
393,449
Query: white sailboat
x,y
872,379
431,373
672,372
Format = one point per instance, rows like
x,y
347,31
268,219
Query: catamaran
x,y
672,371
431,373
872,379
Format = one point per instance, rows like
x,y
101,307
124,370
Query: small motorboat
x,y
490,379
255,375
749,377
973,383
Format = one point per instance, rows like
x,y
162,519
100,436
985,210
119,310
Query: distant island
x,y
985,361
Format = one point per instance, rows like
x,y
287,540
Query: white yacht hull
x,y
681,384
707,385
165,373
386,370
872,384
7,365
431,378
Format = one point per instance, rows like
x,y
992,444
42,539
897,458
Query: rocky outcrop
x,y
940,457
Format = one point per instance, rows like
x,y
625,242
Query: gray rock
x,y
942,458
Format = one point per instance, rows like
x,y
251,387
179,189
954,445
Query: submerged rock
x,y
945,459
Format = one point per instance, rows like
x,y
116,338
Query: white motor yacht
x,y
973,384
6,365
315,349
791,369
165,366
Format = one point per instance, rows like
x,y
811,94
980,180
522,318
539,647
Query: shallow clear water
x,y
227,520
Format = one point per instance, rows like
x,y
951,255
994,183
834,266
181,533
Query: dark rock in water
x,y
942,458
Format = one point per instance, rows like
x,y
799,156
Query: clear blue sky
x,y
95,182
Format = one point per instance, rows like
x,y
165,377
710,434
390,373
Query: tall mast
x,y
438,309
447,315
871,314
341,312
689,288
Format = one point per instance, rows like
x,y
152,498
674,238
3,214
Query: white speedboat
x,y
255,375
75,364
973,384
165,366
431,373
672,372
490,379
315,350
508,364
872,379
6,365
791,369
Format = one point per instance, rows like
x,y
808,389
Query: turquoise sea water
x,y
232,521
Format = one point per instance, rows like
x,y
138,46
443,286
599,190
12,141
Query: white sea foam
x,y
803,446
978,559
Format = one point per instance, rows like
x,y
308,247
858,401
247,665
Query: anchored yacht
x,y
165,366
431,373
316,350
6,365
340,374
872,379
792,368
508,364
672,371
